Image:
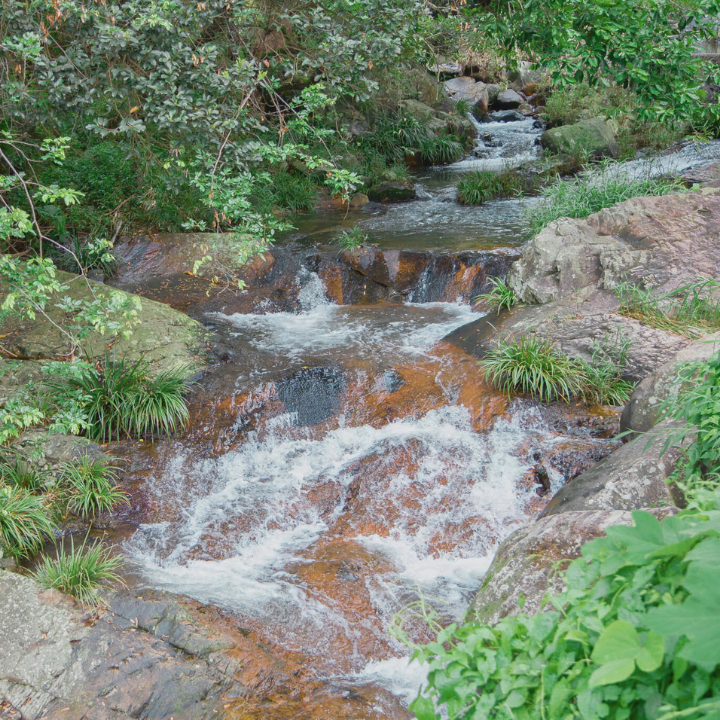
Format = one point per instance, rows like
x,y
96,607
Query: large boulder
x,y
525,564
635,476
508,100
392,192
592,138
163,337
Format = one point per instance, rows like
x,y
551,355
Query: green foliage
x,y
24,522
81,572
591,192
351,239
531,366
500,297
91,486
636,634
395,136
601,381
18,471
689,310
647,47
478,187
120,398
440,149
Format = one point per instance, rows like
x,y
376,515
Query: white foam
x,y
398,675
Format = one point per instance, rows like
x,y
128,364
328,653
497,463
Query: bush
x,y
24,522
533,367
81,572
91,487
118,397
500,297
583,196
478,187
635,635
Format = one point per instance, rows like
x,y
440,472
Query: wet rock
x,y
508,100
524,566
506,116
313,393
359,200
643,411
633,477
391,192
593,138
526,110
392,380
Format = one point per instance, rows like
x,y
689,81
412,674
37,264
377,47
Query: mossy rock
x,y
592,138
392,192
164,337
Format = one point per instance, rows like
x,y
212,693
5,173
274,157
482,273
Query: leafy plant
x,y
351,239
531,366
80,572
601,381
501,296
634,635
120,398
24,522
19,471
591,192
91,487
478,187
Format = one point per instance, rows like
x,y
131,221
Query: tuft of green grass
x,y
20,472
24,522
479,187
532,367
688,311
590,193
500,297
442,149
120,398
80,572
92,487
351,239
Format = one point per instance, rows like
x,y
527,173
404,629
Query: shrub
x,y
24,522
440,149
500,297
635,635
590,193
118,397
81,572
533,367
478,187
351,239
91,487
688,310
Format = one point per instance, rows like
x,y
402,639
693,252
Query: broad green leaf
x,y
619,641
612,672
423,708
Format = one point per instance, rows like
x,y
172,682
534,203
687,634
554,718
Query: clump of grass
x,y
479,187
351,239
24,522
395,136
532,367
687,311
500,297
588,194
441,149
20,472
120,398
92,487
80,572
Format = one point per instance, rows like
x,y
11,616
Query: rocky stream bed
x,y
345,454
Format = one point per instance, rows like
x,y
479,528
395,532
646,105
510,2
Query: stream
x,y
345,460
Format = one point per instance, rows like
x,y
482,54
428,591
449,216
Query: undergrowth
x,y
24,522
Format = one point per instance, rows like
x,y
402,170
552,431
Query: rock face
x,y
633,477
593,138
508,100
165,338
523,566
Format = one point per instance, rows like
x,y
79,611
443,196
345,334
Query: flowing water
x,y
345,461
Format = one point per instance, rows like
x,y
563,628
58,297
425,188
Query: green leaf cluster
x,y
636,634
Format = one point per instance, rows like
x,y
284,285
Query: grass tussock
x,y
588,194
351,239
480,187
531,366
690,311
81,572
24,522
500,296
91,488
